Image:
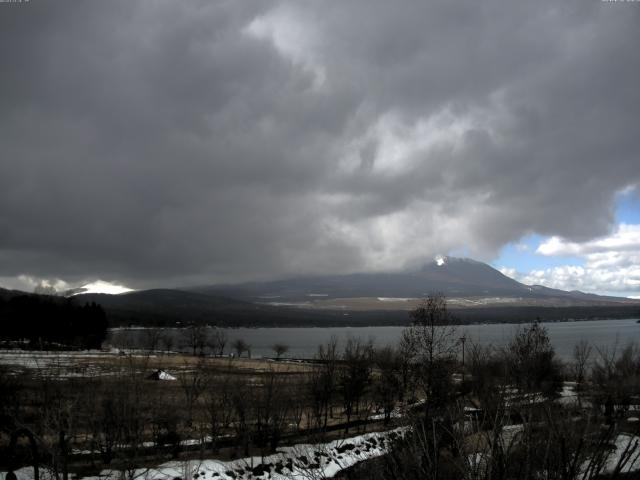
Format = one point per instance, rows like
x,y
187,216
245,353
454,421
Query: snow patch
x,y
162,375
627,445
100,286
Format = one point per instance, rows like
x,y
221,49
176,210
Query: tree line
x,y
515,411
47,322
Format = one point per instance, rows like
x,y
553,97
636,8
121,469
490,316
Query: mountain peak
x,y
446,260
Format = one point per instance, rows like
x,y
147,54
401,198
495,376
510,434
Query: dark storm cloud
x,y
160,142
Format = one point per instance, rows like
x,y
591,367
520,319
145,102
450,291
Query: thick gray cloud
x,y
162,142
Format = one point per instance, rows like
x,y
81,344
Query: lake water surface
x,y
303,342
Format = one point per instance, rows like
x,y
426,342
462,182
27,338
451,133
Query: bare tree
x,y
299,405
432,342
240,346
388,385
322,382
488,370
195,338
168,340
11,390
193,385
280,349
218,406
616,378
354,373
58,419
532,364
581,354
271,406
120,419
242,400
217,342
165,424
406,360
152,339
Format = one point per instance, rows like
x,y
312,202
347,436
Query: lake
x,y
303,342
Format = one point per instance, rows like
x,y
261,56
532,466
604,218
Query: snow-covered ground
x,y
398,412
568,394
622,443
65,364
302,461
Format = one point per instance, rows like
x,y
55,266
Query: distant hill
x,y
175,308
6,294
450,276
165,307
170,307
475,292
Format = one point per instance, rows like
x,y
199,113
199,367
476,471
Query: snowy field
x,y
302,461
308,461
87,363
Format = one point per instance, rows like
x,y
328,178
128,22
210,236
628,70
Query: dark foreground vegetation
x,y
472,412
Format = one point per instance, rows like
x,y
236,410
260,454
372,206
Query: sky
x,y
607,265
163,143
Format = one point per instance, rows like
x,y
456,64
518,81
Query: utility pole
x,y
463,339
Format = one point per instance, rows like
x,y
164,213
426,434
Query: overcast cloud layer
x,y
166,143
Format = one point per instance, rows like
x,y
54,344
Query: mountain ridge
x,y
475,292
450,276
